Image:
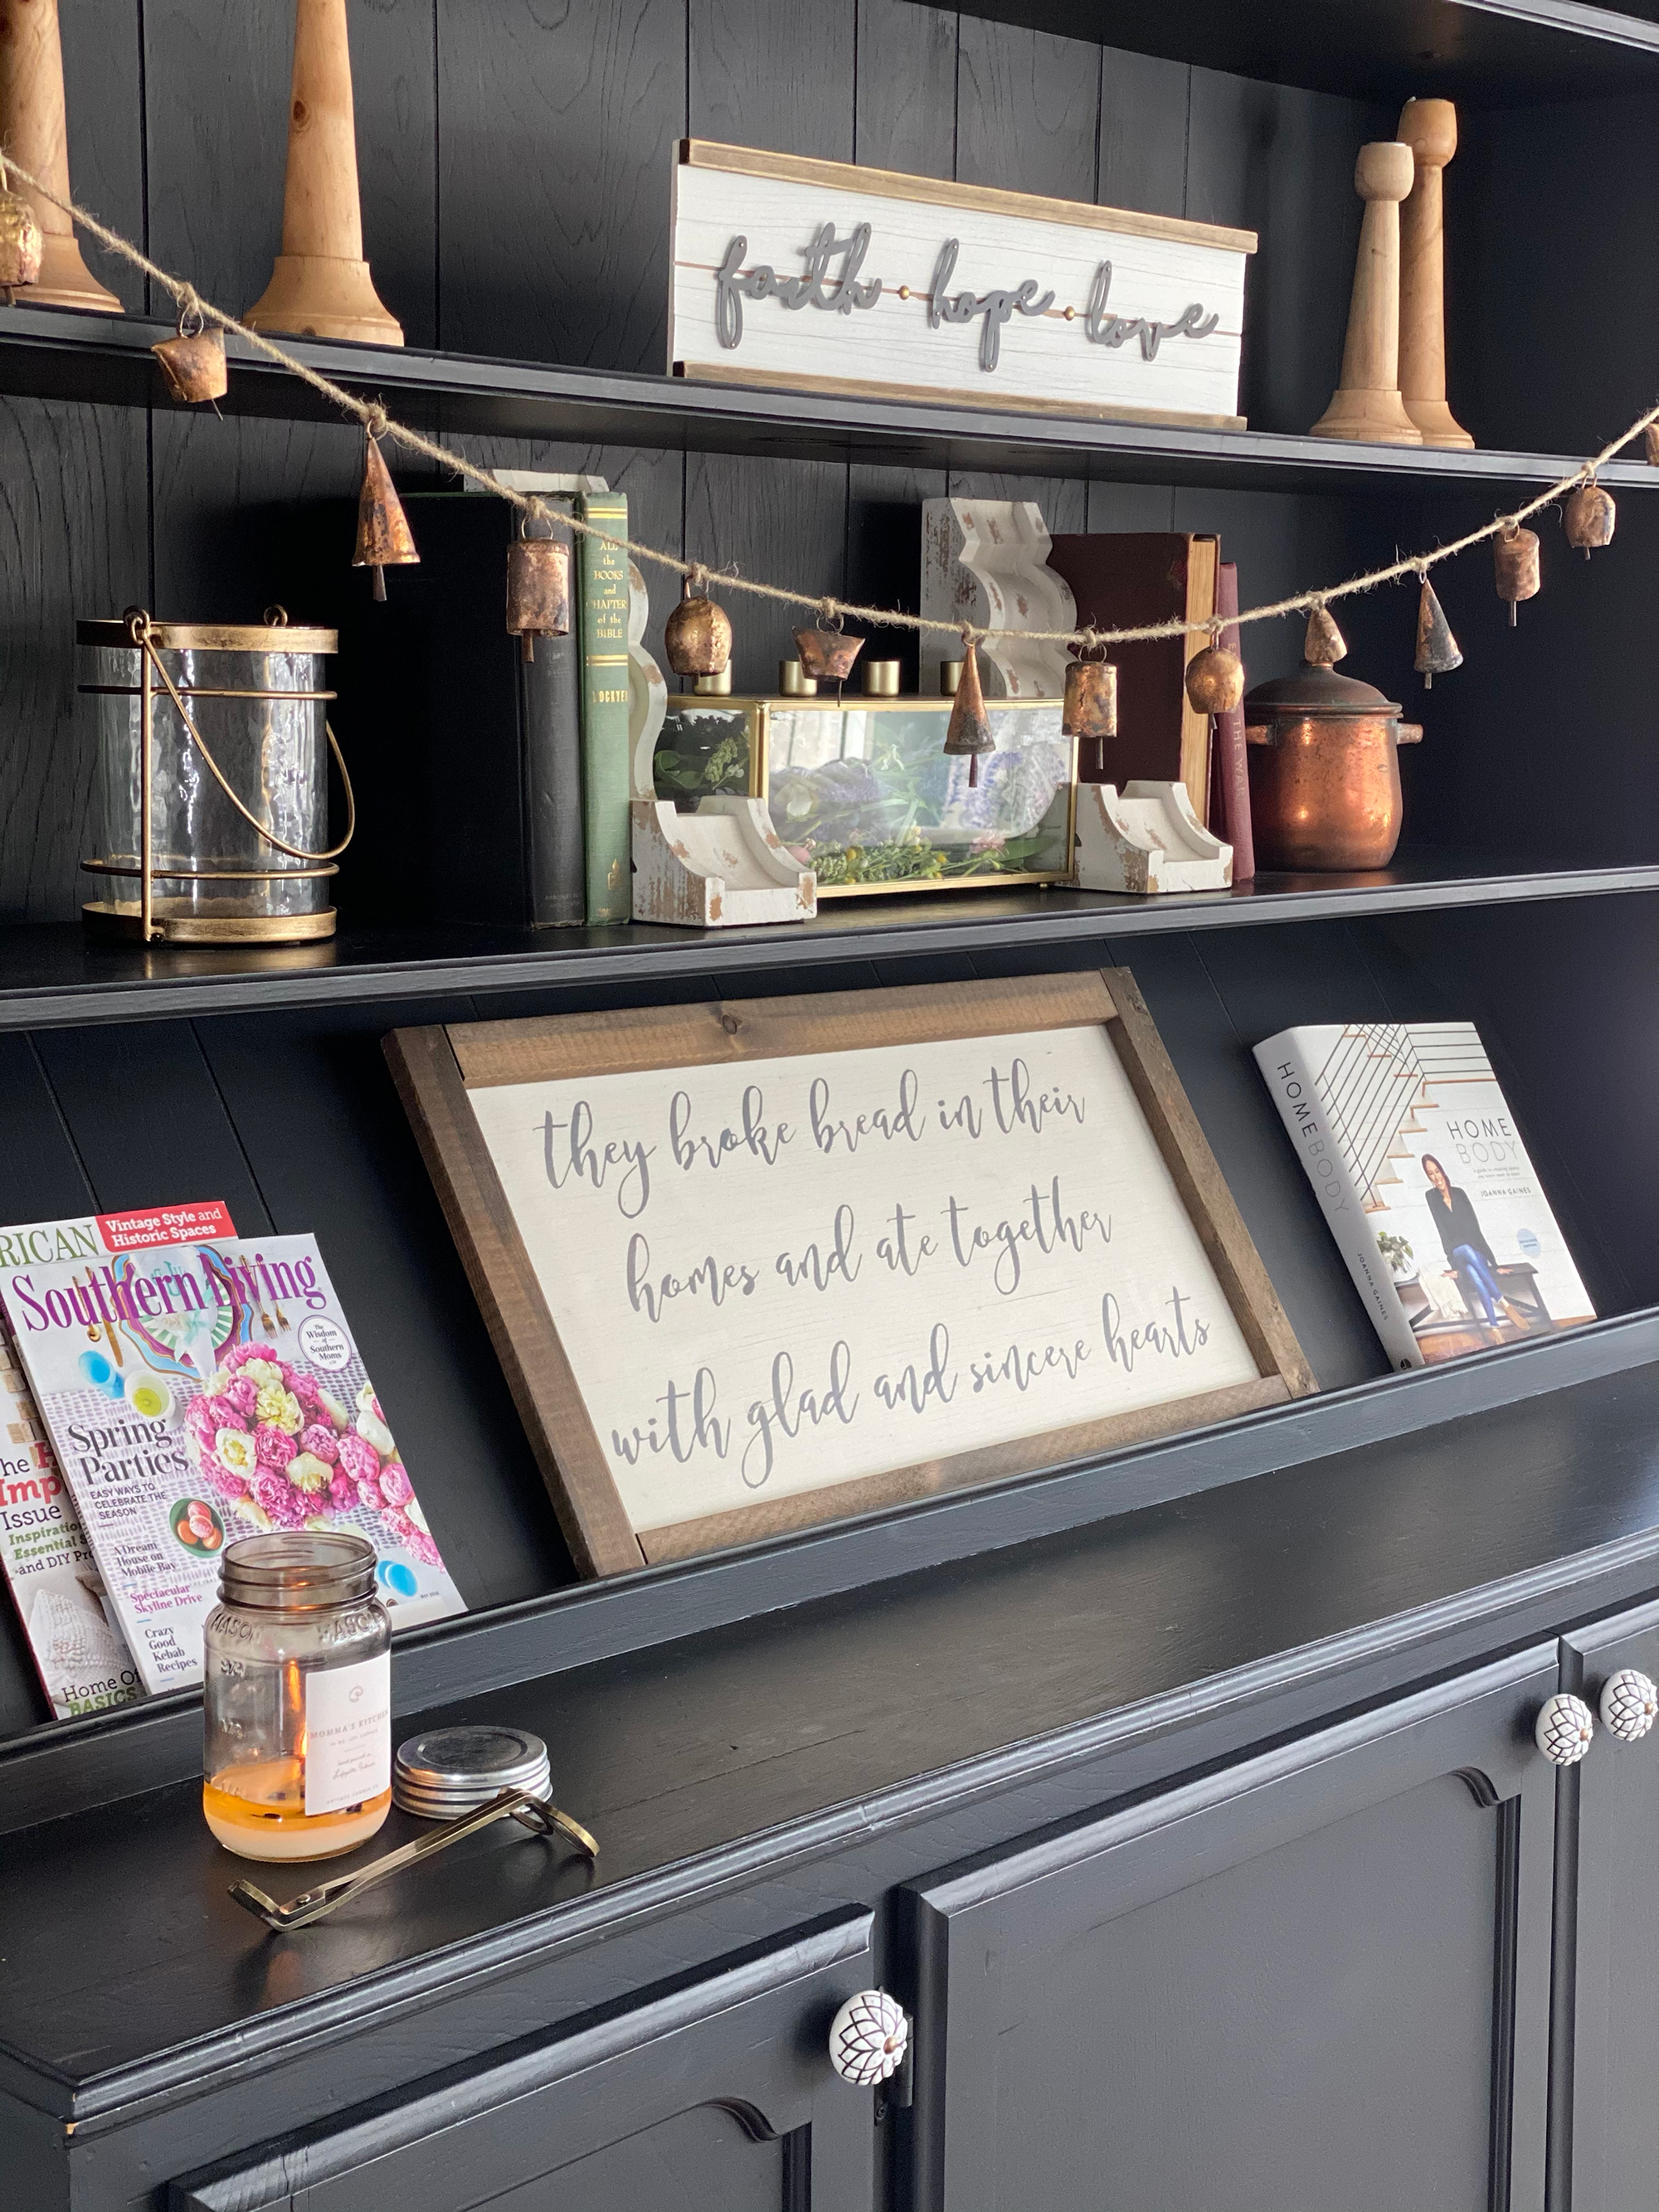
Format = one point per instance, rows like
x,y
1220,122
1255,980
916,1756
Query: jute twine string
x,y
378,424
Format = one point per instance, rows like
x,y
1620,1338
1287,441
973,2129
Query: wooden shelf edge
x,y
58,353
107,985
71,1767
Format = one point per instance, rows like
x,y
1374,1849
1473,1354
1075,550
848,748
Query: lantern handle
x,y
138,628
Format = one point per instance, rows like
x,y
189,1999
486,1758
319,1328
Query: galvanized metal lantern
x,y
212,780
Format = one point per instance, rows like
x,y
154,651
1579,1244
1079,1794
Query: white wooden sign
x,y
887,1241
824,275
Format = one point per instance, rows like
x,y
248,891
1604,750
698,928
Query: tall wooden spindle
x,y
321,286
1367,404
33,130
1428,127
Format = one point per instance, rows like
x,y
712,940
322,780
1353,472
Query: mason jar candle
x,y
297,1758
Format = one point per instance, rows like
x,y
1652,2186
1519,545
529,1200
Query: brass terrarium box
x,y
861,791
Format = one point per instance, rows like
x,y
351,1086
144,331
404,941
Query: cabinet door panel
x,y
1609,1928
715,2097
1320,1976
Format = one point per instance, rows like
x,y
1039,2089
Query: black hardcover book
x,y
466,757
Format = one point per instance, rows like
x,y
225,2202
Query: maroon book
x,y
1120,579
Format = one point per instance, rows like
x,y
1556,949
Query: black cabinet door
x,y
717,2096
1318,1978
1606,2134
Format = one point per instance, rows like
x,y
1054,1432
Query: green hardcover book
x,y
605,709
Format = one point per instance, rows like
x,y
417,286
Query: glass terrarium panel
x,y
865,794
706,746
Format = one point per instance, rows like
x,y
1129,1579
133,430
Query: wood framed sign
x,y
823,275
766,1262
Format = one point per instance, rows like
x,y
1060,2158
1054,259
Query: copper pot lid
x,y
1316,691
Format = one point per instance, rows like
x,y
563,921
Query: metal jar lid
x,y
446,1771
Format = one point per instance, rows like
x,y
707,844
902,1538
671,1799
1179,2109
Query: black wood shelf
x,y
56,352
53,974
1483,53
63,1767
845,1727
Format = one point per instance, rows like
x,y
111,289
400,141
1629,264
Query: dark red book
x,y
1120,580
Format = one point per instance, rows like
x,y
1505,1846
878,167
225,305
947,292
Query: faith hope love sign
x,y
824,275
841,1251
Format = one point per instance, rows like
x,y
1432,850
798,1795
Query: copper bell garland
x,y
193,365
1215,680
1437,648
537,588
1588,516
1514,564
698,636
970,729
385,539
1324,644
1090,712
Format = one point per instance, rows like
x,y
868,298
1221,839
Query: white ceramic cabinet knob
x,y
867,2039
1629,1705
1566,1725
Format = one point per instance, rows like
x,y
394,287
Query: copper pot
x,y
1324,772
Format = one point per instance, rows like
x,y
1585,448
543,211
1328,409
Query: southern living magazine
x,y
67,1614
242,1405
1407,1139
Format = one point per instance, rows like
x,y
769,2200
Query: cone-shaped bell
x,y
22,242
969,728
697,636
385,539
1588,516
1437,648
1515,567
1215,680
194,368
1324,645
537,591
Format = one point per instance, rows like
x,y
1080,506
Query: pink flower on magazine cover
x,y
274,1445
396,1487
320,1441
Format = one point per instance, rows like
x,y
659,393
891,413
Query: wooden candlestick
x,y
1367,404
1428,127
321,286
32,128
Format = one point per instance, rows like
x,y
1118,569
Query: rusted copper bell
x,y
1651,443
1324,775
385,539
827,655
1324,644
970,727
697,636
1215,680
193,365
1588,516
537,591
1514,564
21,241
1089,713
1437,648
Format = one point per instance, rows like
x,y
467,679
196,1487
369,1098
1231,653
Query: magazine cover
x,y
79,1651
194,1393
1422,1176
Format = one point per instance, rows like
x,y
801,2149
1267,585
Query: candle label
x,y
348,1734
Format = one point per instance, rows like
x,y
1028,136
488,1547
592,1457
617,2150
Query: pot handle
x,y
1258,733
1408,733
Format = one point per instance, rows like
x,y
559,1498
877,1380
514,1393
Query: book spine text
x,y
605,821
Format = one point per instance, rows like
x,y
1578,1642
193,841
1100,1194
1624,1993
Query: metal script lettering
x,y
997,307
815,288
1101,327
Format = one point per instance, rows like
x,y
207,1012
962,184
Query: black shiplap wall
x,y
513,157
